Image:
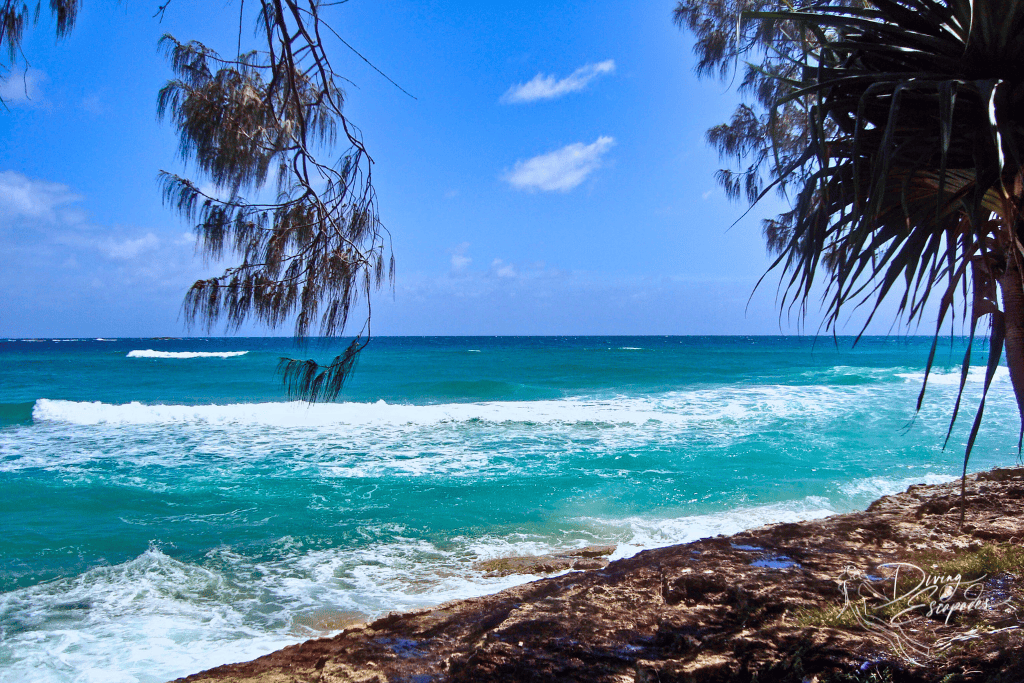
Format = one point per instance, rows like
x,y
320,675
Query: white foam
x,y
368,440
642,533
150,619
873,487
975,375
150,353
676,408
361,440
413,573
155,618
298,413
858,371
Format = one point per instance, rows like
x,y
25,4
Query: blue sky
x,y
551,176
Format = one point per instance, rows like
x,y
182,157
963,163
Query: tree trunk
x,y
1012,289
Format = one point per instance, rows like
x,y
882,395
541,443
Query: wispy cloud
x,y
561,170
548,87
24,198
502,269
128,249
63,271
459,259
24,88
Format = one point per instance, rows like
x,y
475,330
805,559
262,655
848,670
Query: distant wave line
x,y
150,353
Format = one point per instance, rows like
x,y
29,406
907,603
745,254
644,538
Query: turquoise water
x,y
166,509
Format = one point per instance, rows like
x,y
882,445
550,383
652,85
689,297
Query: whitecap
x,y
677,409
150,353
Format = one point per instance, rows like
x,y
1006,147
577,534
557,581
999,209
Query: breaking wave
x,y
150,353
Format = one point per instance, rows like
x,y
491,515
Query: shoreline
x,y
763,604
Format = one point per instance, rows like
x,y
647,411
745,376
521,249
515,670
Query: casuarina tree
x,y
288,193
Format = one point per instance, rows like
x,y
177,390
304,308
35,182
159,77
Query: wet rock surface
x,y
758,606
590,557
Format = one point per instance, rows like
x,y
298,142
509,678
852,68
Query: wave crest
x,y
673,409
150,353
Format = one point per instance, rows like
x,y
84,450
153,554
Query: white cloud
x,y
23,88
561,170
503,270
130,248
37,200
548,87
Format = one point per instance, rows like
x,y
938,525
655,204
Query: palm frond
x,y
910,182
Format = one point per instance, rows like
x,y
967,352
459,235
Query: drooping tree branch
x,y
762,141
292,200
274,115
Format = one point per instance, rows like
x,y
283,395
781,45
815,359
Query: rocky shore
x,y
899,592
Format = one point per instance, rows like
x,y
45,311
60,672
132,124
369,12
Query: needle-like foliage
x,y
285,189
764,138
906,170
16,15
310,252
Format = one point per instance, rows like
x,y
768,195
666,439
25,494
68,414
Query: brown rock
x,y
590,557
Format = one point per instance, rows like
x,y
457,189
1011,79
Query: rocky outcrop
x,y
764,605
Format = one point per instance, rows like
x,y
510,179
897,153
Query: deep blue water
x,y
164,512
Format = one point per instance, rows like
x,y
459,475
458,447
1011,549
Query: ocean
x,y
165,508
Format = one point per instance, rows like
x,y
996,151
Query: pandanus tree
x,y
288,193
897,127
